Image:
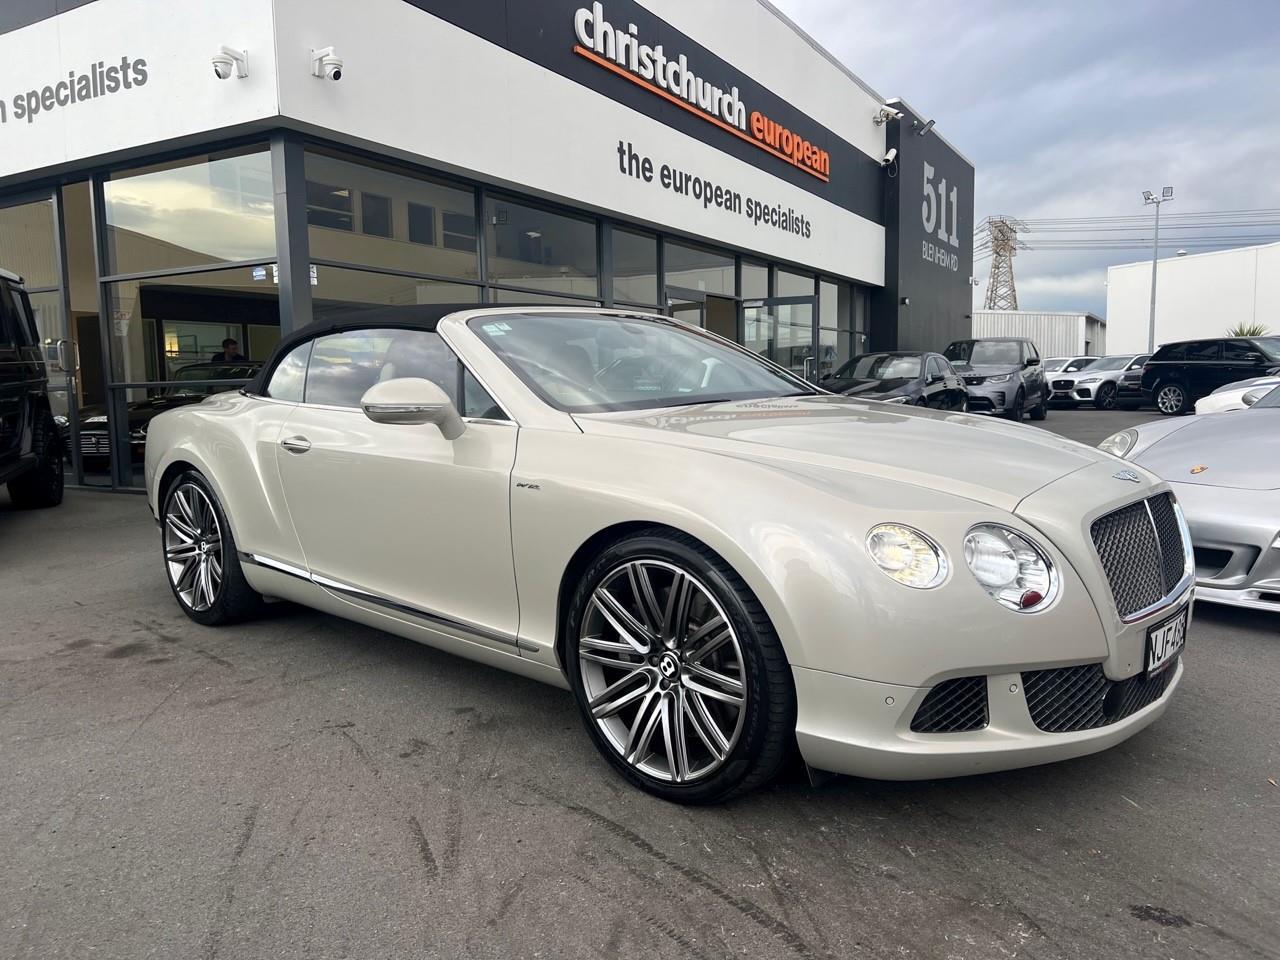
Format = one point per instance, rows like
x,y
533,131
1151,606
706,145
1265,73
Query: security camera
x,y
226,61
925,128
326,65
885,114
889,157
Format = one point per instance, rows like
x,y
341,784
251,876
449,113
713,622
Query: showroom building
x,y
177,173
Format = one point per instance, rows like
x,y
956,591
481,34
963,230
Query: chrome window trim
x,y
429,616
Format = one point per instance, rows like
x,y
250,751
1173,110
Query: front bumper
x,y
1235,533
862,728
995,398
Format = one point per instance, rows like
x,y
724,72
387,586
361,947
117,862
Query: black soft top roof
x,y
413,316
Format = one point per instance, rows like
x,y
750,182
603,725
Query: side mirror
x,y
412,400
1031,362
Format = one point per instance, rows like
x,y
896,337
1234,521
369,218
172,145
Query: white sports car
x,y
720,560
1233,395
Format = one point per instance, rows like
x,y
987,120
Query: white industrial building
x,y
1197,295
1055,334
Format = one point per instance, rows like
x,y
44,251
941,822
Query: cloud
x,y
1071,110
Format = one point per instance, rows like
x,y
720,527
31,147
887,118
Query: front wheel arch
x,y
591,548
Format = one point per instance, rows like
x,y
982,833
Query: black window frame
x,y
365,197
430,212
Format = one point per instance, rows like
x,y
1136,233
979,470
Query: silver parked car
x,y
1097,383
1225,470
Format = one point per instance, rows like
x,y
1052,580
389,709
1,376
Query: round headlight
x,y
1013,570
1119,444
907,555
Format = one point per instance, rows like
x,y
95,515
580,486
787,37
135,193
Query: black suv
x,y
1003,375
1179,374
30,445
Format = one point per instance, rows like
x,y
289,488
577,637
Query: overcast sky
x,y
1073,108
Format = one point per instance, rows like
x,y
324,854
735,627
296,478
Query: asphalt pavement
x,y
303,787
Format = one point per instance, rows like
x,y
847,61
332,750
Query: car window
x,y
632,363
1110,363
345,365
935,367
979,352
24,324
1202,350
1269,346
1172,351
290,375
881,366
1139,362
1241,351
1031,352
8,318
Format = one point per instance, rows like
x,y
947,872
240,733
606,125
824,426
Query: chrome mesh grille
x,y
1064,699
1141,552
953,706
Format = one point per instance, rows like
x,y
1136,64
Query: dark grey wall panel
x,y
925,266
21,13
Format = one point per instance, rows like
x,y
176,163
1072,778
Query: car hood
x,y
860,387
985,369
980,459
1235,449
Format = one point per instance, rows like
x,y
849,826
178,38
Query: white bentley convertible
x,y
721,561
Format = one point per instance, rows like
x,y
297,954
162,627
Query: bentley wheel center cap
x,y
669,666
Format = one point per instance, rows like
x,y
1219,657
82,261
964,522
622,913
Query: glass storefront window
x,y
340,294
755,280
27,244
794,284
160,326
374,216
635,267
523,297
214,208
697,268
531,247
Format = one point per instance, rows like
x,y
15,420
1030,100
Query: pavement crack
x,y
429,864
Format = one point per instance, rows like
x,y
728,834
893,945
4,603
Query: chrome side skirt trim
x,y
427,616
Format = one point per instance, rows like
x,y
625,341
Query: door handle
x,y
296,444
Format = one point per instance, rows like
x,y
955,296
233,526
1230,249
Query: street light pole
x,y
1149,198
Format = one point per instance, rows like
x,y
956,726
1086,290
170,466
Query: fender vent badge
x,y
1127,475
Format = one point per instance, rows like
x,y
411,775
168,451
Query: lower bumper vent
x,y
953,706
1082,698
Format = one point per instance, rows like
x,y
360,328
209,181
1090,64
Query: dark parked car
x,y
30,444
922,379
193,386
1179,374
1129,386
1003,375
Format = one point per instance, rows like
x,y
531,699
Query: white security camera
x,y
922,130
885,114
227,61
325,64
889,157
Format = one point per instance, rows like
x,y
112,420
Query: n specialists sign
x,y
668,74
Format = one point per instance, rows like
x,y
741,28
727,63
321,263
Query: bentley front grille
x,y
1142,553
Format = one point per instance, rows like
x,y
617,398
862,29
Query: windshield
x,y
1110,363
980,352
1270,346
1271,400
880,366
1054,364
190,378
591,363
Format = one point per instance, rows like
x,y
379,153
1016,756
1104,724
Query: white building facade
x,y
1055,334
1197,296
174,173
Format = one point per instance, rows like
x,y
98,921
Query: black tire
x,y
1105,398
233,600
766,732
42,485
1018,403
1041,410
1171,398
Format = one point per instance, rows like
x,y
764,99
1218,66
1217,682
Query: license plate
x,y
1164,642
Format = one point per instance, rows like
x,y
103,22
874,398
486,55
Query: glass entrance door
x,y
782,329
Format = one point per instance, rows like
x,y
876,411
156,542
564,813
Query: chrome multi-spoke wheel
x,y
193,546
1170,399
662,669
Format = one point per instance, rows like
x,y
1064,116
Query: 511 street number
x,y
933,215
